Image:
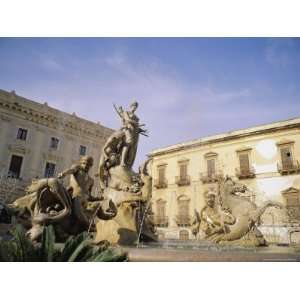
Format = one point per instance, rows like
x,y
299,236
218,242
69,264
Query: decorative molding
x,y
18,148
290,190
210,154
52,157
244,149
5,118
183,160
52,118
224,138
285,142
162,165
183,198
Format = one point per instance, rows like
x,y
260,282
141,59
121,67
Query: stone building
x,y
265,158
39,141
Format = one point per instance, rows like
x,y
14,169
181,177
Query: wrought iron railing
x,y
161,221
183,180
160,183
206,177
245,173
289,167
183,220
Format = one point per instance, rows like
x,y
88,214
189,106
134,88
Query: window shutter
x,y
183,208
183,171
161,209
211,167
286,157
161,175
244,163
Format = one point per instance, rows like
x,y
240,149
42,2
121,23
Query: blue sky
x,y
187,87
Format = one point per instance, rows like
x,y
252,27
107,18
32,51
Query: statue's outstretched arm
x,y
69,171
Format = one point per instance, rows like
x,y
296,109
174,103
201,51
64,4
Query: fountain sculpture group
x,y
122,213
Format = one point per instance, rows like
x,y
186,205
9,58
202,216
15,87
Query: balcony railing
x,y
289,168
210,178
160,184
183,221
181,181
246,173
161,221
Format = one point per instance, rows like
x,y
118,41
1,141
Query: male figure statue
x,y
213,218
132,130
80,186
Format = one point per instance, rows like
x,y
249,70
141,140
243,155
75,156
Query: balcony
x,y
289,167
160,184
183,221
210,178
182,181
245,173
161,221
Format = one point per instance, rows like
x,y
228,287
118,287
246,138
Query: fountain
x,y
121,214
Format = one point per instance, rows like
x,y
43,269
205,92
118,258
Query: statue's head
x,y
86,162
133,106
210,198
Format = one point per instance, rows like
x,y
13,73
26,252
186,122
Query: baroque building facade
x,y
265,158
39,141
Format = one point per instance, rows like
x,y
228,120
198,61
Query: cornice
x,y
224,139
51,118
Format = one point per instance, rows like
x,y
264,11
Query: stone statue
x,y
134,218
229,217
132,129
80,187
129,191
67,209
214,219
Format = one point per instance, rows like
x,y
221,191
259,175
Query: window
x,y
54,143
82,150
15,166
286,157
160,219
183,217
183,171
183,208
161,175
244,163
161,209
183,178
49,170
211,167
22,134
291,196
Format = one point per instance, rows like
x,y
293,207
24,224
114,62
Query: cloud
x,y
173,107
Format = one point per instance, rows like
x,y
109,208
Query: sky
x,y
187,88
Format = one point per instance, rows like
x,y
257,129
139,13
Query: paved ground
x,y
281,254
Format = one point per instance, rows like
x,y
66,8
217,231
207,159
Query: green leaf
x,y
47,248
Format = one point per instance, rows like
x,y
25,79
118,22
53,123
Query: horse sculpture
x,y
235,219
